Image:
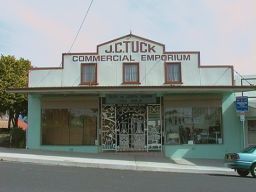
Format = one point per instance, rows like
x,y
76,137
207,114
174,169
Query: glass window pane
x,y
251,132
131,73
76,125
193,125
69,126
90,134
173,72
88,73
55,127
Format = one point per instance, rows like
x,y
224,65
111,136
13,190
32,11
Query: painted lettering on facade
x,y
123,51
131,47
143,57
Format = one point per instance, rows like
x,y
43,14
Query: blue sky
x,y
41,30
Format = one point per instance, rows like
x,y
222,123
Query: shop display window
x,y
251,132
72,126
193,125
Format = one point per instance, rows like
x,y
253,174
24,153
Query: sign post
x,y
242,107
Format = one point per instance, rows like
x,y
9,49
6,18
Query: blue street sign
x,y
242,104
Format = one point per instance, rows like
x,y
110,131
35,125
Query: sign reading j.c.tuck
x,y
131,47
131,51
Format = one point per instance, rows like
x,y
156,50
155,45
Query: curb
x,y
112,164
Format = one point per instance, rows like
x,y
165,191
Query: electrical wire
x,y
243,78
80,26
70,46
220,77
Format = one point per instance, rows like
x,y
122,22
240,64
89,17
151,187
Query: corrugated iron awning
x,y
132,89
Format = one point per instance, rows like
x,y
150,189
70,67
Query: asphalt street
x,y
19,177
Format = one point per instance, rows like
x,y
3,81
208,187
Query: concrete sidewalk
x,y
152,161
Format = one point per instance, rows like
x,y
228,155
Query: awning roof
x,y
133,89
252,104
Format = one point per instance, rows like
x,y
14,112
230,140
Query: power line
x,y
243,78
80,26
72,42
222,75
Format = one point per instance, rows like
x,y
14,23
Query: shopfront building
x,y
249,116
133,95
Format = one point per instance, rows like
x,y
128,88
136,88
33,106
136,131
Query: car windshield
x,y
250,149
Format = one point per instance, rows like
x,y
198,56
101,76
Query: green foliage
x,y
13,74
18,138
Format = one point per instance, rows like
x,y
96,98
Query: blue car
x,y
243,162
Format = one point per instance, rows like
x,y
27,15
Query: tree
x,y
13,74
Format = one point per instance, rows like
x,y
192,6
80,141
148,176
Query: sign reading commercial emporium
x,y
163,57
123,51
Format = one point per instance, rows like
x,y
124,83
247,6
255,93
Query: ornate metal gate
x,y
154,137
124,127
130,127
108,127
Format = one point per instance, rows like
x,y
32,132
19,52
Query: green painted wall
x,y
34,130
85,149
232,135
34,119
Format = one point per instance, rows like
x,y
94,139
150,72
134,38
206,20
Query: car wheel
x,y
253,170
242,172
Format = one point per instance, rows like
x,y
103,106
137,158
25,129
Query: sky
x,y
224,31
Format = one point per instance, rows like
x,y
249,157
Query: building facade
x,y
133,95
249,117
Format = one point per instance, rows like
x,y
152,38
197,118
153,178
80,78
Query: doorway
x,y
131,127
251,132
